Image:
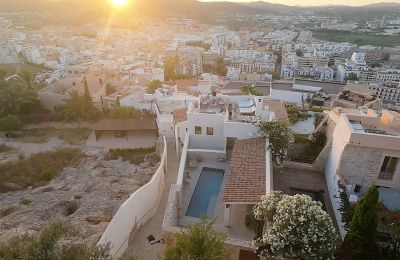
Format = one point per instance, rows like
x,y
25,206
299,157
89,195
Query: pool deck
x,y
237,229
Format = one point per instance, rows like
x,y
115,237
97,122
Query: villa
x,y
225,167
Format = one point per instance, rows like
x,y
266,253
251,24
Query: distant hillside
x,y
347,12
84,10
161,8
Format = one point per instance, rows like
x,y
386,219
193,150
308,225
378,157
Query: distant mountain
x,y
347,12
205,11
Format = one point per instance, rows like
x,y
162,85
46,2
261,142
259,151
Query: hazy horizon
x,y
312,2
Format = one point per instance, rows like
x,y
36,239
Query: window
x,y
388,168
197,130
210,131
357,188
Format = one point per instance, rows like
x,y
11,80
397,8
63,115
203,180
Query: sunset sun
x,y
119,3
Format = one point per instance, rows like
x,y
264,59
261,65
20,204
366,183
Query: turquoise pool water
x,y
205,195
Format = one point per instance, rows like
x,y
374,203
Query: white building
x,y
365,150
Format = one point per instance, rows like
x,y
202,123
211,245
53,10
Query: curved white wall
x,y
135,211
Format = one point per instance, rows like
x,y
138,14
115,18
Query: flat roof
x,y
126,124
246,176
278,107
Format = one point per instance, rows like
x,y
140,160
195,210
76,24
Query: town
x,y
269,133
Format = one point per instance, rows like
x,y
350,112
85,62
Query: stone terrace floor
x,y
301,178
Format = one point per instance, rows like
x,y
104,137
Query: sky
x,y
317,2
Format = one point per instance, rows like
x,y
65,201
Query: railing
x,y
135,211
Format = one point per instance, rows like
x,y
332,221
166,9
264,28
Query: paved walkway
x,y
138,243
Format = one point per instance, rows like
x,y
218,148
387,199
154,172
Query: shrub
x,y
151,88
25,202
298,228
10,123
28,172
5,148
47,175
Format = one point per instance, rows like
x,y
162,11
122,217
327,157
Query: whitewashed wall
x,y
136,210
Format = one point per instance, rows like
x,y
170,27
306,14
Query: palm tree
x,y
75,108
27,78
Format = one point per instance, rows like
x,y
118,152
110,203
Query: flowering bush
x,y
296,227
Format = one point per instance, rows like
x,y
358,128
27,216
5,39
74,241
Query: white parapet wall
x,y
135,211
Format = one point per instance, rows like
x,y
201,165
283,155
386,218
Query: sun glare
x,y
119,3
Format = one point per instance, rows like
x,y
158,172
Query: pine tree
x,y
117,103
87,98
360,240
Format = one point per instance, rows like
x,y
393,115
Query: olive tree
x,y
279,136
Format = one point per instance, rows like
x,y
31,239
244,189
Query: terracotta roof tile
x,y
246,177
180,115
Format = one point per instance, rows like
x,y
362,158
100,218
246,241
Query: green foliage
x,y
352,76
78,107
151,88
297,228
10,123
28,172
279,137
47,175
17,99
27,78
170,69
316,144
317,109
57,241
134,156
5,148
300,139
25,202
118,112
250,90
199,241
295,114
218,68
345,207
360,240
358,38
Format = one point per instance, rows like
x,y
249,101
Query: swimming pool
x,y
205,195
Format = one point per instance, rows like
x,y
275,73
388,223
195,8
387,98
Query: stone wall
x,y
361,165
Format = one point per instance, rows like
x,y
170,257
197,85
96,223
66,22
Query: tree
x,y
27,78
15,98
87,98
297,227
279,136
78,108
200,242
360,240
170,69
10,123
54,242
345,207
352,76
151,88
